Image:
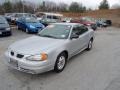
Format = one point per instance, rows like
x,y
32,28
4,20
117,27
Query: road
x,y
98,69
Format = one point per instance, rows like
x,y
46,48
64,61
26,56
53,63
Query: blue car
x,y
29,25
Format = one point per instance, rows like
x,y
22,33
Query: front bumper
x,y
5,33
32,67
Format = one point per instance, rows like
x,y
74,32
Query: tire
x,y
18,28
90,45
60,63
10,34
27,31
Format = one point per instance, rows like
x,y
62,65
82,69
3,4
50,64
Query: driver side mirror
x,y
74,36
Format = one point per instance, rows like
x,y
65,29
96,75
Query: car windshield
x,y
56,31
31,20
2,20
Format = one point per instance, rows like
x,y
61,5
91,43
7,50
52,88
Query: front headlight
x,y
41,57
32,26
7,29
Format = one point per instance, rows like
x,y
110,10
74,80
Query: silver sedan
x,y
50,49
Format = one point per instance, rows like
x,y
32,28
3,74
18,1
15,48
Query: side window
x,y
83,29
55,17
79,30
75,31
43,17
49,17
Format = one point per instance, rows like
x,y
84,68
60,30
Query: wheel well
x,y
66,53
91,39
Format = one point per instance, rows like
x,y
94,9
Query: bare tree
x,y
63,7
104,5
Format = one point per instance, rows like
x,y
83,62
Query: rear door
x,y
80,43
84,35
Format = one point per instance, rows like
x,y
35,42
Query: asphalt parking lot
x,y
98,69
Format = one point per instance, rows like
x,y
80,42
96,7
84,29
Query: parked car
x,y
29,24
108,22
67,20
101,23
50,49
15,16
8,17
4,27
85,22
47,18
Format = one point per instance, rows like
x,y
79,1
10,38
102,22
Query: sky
x,y
88,3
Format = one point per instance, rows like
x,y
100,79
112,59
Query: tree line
x,y
46,6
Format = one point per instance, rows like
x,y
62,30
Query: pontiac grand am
x,y
50,49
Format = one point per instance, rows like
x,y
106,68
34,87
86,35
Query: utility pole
x,y
44,6
23,8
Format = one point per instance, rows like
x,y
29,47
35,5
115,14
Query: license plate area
x,y
13,62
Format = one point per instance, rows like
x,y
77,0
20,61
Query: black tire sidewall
x,y
56,64
88,48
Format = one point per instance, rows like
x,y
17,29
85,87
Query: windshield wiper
x,y
48,36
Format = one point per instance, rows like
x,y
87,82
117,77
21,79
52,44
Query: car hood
x,y
35,45
35,24
4,26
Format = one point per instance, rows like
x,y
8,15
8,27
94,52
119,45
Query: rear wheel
x,y
60,63
18,28
90,45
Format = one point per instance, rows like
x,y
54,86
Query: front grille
x,y
20,56
4,33
2,29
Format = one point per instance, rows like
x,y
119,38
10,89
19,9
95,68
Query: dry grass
x,y
113,14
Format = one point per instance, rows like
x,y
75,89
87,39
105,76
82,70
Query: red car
x,y
85,22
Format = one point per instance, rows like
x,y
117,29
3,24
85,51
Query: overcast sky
x,y
87,3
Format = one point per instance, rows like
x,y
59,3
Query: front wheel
x,y
90,45
60,63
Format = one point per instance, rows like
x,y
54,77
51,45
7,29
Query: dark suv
x,y
4,27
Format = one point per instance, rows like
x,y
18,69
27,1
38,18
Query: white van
x,y
47,18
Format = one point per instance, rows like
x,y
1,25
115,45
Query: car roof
x,y
72,24
48,13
